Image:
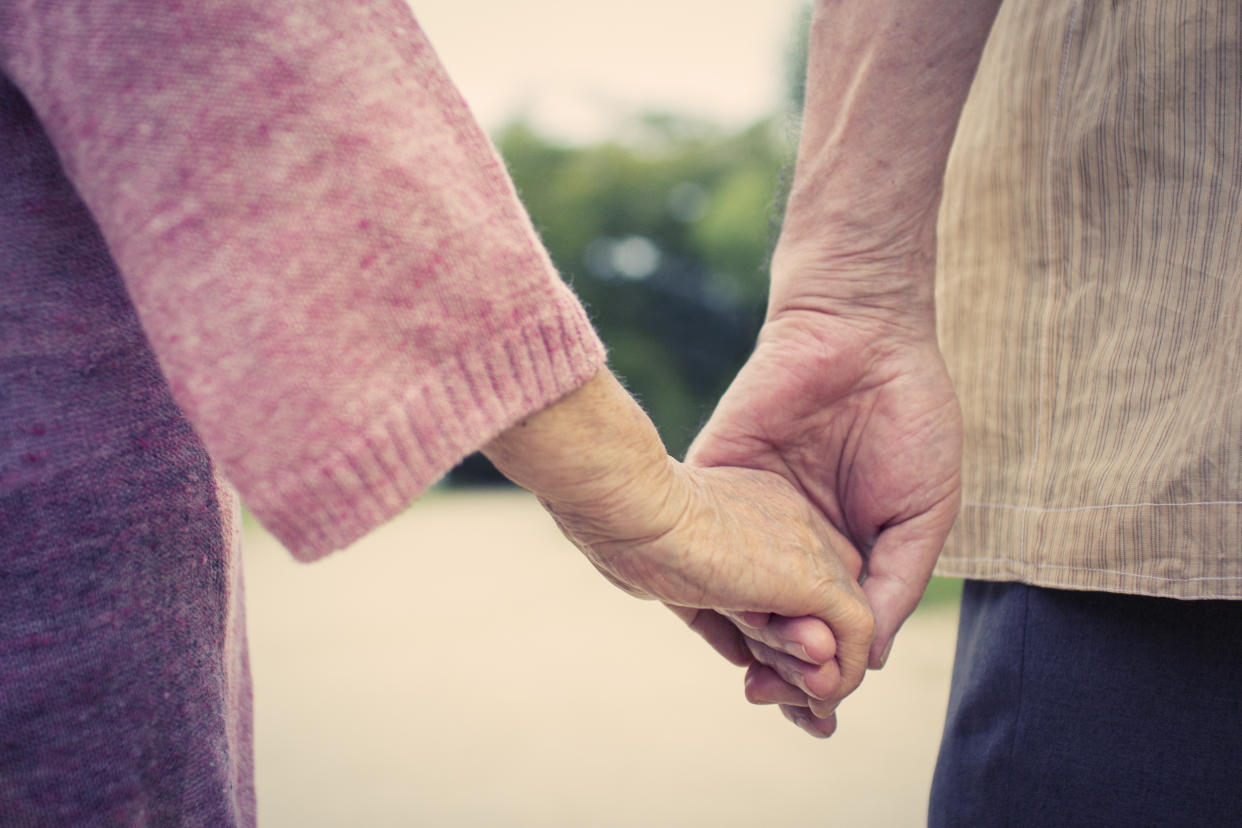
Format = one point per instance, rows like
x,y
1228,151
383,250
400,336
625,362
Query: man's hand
x,y
846,395
715,544
867,427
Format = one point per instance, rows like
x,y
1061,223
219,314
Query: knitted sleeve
x,y
326,254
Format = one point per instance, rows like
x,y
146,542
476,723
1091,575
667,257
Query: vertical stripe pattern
x,y
1090,295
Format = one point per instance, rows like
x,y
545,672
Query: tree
x,y
665,238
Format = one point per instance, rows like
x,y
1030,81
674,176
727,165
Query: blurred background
x,y
650,142
464,665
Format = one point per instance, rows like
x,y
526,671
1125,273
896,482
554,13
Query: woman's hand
x,y
724,547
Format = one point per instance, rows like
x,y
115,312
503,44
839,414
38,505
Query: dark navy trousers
x,y
1092,709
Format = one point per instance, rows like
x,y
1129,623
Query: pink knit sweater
x,y
287,207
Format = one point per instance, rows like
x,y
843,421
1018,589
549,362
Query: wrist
x,y
883,293
596,455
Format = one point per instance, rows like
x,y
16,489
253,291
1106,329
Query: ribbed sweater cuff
x,y
440,419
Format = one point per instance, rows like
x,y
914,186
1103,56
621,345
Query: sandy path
x,y
465,666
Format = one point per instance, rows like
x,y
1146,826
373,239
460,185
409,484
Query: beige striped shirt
x,y
1090,298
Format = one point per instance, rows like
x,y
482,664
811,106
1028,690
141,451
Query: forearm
x,y
886,83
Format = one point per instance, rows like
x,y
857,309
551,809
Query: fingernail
x,y
803,720
888,648
797,650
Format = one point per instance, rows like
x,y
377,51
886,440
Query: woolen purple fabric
x,y
256,240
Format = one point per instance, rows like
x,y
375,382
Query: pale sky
x,y
572,66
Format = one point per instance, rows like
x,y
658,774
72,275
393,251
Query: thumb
x,y
851,622
898,569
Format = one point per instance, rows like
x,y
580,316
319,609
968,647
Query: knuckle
x,y
867,629
862,622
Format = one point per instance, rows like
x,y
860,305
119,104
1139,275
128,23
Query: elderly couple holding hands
x,y
804,525
266,242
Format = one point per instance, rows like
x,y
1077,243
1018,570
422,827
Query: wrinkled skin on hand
x,y
864,423
746,544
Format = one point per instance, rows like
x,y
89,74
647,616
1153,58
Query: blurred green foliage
x,y
942,593
796,55
664,233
